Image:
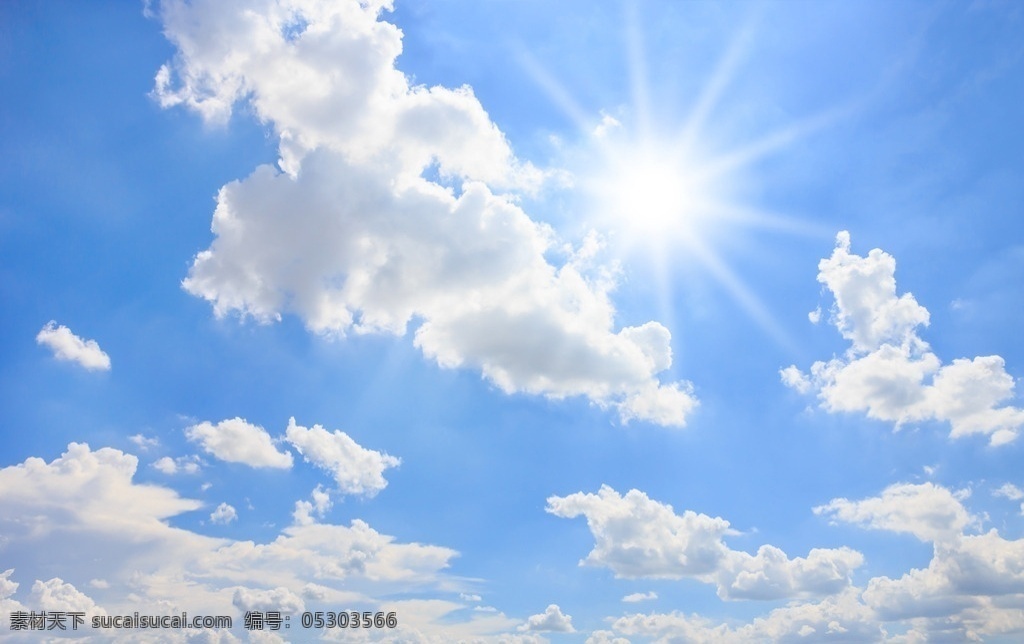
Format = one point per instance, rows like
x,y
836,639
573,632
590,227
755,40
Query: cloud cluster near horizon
x,y
138,558
972,587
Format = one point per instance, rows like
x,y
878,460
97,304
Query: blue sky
x,y
600,322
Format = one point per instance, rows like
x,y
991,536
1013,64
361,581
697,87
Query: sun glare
x,y
653,190
649,194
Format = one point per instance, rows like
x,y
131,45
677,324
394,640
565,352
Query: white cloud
x,y
144,443
1009,491
605,637
640,597
180,465
83,515
319,504
608,123
637,537
278,599
68,346
352,238
356,470
972,587
929,512
57,595
839,618
889,372
238,441
84,488
223,514
551,620
971,590
795,379
8,605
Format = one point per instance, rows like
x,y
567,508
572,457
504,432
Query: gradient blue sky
x,y
593,265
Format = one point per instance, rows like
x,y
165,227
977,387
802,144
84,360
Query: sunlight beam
x,y
769,144
723,74
637,68
555,91
747,300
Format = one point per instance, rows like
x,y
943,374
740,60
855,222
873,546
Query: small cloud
x,y
143,443
1009,491
279,599
485,609
102,584
795,379
605,637
68,346
640,597
1002,437
356,470
224,514
551,619
319,505
237,441
469,598
180,465
815,315
607,124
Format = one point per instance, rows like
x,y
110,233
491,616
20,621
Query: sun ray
x,y
637,68
769,144
723,74
756,217
659,194
556,92
748,301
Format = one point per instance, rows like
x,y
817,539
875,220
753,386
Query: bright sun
x,y
648,193
653,191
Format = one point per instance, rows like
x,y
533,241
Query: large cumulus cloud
x,y
350,234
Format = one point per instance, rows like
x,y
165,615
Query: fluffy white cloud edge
x,y
68,346
889,372
638,537
349,234
235,440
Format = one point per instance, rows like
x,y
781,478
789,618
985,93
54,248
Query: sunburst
x,y
660,192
